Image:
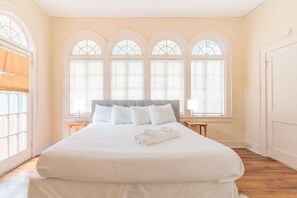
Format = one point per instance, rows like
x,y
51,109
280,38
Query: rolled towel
x,y
149,131
152,136
166,129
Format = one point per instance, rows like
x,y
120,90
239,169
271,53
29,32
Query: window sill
x,y
71,118
209,119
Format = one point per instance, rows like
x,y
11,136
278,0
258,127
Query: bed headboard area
x,y
140,103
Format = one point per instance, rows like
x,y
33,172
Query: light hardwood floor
x,y
15,183
263,178
266,178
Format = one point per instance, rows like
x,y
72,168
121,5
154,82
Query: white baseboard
x,y
253,147
233,143
285,157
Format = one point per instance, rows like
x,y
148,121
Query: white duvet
x,y
104,152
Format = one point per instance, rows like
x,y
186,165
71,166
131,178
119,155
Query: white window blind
x,y
86,76
86,84
167,74
127,71
167,80
207,86
208,78
127,81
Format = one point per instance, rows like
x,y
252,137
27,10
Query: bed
x,y
103,160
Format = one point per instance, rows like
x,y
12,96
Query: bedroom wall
x,y
231,132
262,27
39,25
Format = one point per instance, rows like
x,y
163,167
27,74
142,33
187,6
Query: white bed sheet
x,y
57,188
103,152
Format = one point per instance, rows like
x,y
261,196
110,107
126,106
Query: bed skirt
x,y
57,188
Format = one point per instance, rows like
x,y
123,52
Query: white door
x,y
281,77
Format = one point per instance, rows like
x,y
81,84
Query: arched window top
x,y
126,47
10,29
206,48
167,47
86,47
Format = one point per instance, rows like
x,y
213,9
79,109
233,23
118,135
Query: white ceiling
x,y
148,8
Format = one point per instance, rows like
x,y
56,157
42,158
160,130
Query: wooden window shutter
x,y
14,71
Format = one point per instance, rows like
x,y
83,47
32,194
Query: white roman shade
x,y
14,71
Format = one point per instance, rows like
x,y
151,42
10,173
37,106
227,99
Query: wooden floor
x,y
263,178
266,178
15,183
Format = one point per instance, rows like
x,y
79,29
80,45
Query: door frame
x,y
33,82
16,159
286,41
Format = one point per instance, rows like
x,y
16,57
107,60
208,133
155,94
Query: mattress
x,y
49,188
103,152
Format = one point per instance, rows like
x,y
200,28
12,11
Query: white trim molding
x,y
127,35
253,147
208,119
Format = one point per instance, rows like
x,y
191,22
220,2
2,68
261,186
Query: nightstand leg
x,y
69,130
205,131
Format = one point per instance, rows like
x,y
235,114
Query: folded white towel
x,y
166,129
150,136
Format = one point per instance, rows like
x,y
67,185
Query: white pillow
x,y
140,115
161,114
121,115
102,114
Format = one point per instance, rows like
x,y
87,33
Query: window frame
x,y
98,57
29,50
28,39
18,114
67,57
226,58
125,57
182,57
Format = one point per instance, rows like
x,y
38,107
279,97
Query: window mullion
x,y
126,78
205,76
87,85
8,125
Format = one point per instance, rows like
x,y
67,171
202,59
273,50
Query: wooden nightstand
x,y
200,125
76,126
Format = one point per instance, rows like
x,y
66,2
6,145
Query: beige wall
x,y
38,24
262,27
230,29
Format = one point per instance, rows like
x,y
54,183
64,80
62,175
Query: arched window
x,y
167,74
127,71
167,47
86,76
208,78
126,47
86,47
11,30
206,48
